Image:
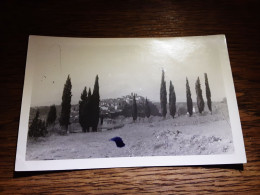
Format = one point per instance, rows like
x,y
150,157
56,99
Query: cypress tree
x,y
200,101
147,109
172,100
88,110
51,115
66,105
95,99
208,94
189,100
134,109
163,96
82,109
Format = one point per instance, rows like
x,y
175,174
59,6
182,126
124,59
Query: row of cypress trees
x,y
88,111
200,100
172,97
89,108
163,98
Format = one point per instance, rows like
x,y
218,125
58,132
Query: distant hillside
x,y
109,108
113,107
123,106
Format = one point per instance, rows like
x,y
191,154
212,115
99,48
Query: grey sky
x,y
123,66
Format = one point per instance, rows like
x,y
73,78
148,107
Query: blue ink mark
x,y
119,142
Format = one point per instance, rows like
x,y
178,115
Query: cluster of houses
x,y
111,107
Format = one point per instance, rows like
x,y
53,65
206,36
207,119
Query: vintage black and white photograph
x,y
104,98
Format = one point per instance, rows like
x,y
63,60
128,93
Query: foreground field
x,y
156,136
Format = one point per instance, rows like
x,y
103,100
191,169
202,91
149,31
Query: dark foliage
x,y
147,109
208,93
52,115
94,104
172,100
154,110
82,110
38,127
134,109
87,111
200,101
66,105
163,96
189,100
89,92
182,111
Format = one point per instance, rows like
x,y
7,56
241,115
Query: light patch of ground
x,y
146,137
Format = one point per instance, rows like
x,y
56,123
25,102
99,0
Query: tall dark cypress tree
x,y
82,109
172,100
51,115
66,105
134,109
208,94
188,96
95,105
163,96
88,110
147,109
200,101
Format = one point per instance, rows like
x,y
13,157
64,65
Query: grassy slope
x,y
210,134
